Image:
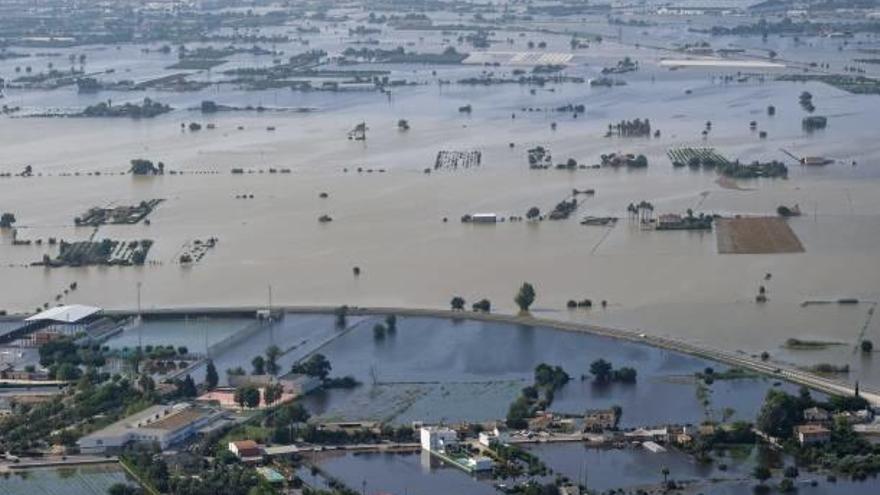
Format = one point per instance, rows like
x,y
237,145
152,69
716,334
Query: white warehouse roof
x,y
71,313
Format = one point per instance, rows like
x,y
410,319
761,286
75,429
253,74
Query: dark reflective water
x,y
414,473
467,370
599,469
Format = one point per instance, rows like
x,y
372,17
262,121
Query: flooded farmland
x,y
439,370
630,268
86,480
600,470
615,236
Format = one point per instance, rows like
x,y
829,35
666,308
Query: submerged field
x,y
439,370
756,235
389,222
88,480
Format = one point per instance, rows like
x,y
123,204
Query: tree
x,y
247,396
252,397
761,473
533,213
518,412
67,372
238,396
553,377
272,393
867,346
259,365
379,331
211,378
317,365
525,297
665,472
625,375
291,413
6,220
601,370
272,354
457,303
483,305
779,414
187,387
341,316
139,166
146,383
391,323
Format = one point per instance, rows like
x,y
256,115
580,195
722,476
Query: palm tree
x,y
665,472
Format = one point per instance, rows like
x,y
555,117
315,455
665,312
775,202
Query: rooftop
x,y
177,420
245,444
71,313
160,417
812,429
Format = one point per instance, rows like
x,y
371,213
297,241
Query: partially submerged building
x,y
293,383
438,439
812,434
599,420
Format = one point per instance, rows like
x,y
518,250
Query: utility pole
x,y
139,315
271,326
270,300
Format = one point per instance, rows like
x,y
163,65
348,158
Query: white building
x,y
163,425
435,438
484,218
246,450
486,438
480,463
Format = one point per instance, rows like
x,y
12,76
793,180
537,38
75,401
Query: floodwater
x,y
196,334
436,369
85,480
402,473
390,224
233,342
598,469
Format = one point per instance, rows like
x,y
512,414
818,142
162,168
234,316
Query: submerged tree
x,y
601,370
525,297
7,220
259,365
317,365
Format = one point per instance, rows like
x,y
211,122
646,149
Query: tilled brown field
x,y
756,235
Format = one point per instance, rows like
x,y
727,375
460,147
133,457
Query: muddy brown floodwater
x,y
391,226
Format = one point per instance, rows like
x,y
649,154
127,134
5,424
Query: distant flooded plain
x,y
390,223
